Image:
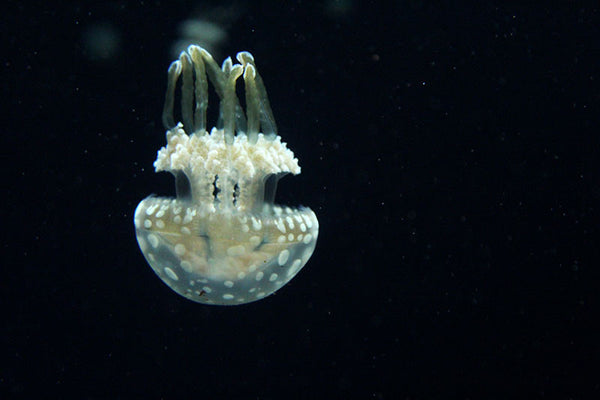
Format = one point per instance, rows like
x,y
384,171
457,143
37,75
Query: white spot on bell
x,y
153,240
307,238
186,265
290,222
150,210
171,274
283,257
179,249
279,224
255,240
236,251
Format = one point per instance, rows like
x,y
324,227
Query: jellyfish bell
x,y
222,240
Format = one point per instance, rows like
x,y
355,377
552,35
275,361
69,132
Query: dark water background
x,y
450,150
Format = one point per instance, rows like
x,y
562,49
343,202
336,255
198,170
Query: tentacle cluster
x,y
236,165
196,67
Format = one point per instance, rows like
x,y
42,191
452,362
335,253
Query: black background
x,y
449,149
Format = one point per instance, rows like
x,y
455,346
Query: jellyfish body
x,y
222,240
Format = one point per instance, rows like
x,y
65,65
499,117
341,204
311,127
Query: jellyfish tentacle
x,y
218,78
267,120
229,102
201,90
173,74
187,92
252,105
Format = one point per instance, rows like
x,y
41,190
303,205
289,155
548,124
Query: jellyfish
x,y
222,240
